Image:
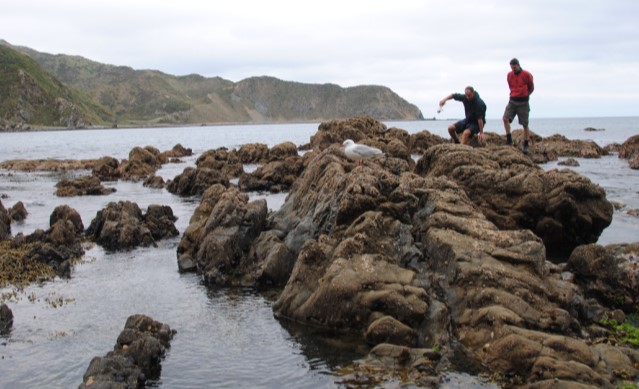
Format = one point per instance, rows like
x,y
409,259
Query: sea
x,y
226,337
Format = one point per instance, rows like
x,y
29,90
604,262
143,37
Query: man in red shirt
x,y
521,86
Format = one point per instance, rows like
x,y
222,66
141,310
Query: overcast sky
x,y
584,55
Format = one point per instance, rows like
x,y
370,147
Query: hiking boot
x,y
525,148
509,139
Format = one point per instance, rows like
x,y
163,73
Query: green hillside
x,y
149,97
31,96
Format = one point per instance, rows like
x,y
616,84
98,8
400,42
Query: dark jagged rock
x,y
337,131
226,162
565,147
610,274
274,177
83,186
178,151
155,182
106,169
569,162
122,226
18,212
282,151
421,141
560,206
142,163
194,181
629,148
218,239
413,260
56,247
5,223
6,319
253,153
136,357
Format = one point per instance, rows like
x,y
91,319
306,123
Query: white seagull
x,y
359,152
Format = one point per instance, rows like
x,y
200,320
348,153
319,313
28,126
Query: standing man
x,y
475,112
521,87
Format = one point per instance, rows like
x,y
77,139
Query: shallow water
x,y
226,337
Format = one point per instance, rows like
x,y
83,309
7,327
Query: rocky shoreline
x,y
470,253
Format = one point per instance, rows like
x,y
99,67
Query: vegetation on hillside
x,y
149,97
30,95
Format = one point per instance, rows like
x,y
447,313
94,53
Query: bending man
x,y
475,113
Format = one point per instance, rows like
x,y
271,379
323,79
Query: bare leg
x,y
509,139
526,138
526,132
507,125
453,134
466,137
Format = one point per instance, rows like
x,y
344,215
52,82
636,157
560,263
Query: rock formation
x,y
6,319
83,186
560,206
122,226
136,357
437,264
5,223
219,236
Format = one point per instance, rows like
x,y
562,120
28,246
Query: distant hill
x,y
31,96
139,97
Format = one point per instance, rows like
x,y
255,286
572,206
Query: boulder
x,y
226,162
421,141
155,182
106,169
142,163
57,247
122,226
18,212
565,147
609,274
161,221
6,319
194,181
630,148
83,186
337,131
569,162
178,151
282,151
274,177
135,359
253,153
562,207
5,223
218,239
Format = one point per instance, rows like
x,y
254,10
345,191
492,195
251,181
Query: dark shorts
x,y
521,109
465,124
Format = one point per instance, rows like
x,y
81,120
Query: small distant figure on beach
x,y
521,86
475,115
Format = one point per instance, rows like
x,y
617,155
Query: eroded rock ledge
x,y
135,358
448,257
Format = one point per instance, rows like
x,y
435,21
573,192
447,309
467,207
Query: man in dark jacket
x,y
521,86
475,112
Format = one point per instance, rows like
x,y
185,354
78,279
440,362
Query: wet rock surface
x,y
6,319
136,358
218,239
562,207
123,226
83,186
